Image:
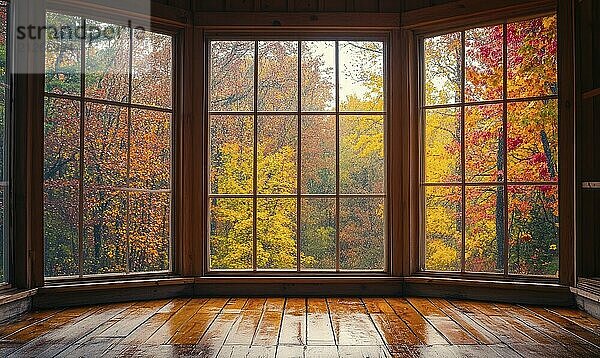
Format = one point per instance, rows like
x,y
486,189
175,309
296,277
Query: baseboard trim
x,y
496,291
587,296
309,287
14,303
65,295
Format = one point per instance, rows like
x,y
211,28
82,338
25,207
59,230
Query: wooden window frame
x,y
299,195
311,35
190,148
83,101
5,184
451,17
170,25
505,101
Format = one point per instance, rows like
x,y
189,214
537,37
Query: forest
x,y
506,159
297,152
107,149
317,194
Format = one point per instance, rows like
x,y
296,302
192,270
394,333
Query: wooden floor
x,y
297,327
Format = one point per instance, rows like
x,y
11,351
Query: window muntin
x,y
107,148
490,150
4,130
297,170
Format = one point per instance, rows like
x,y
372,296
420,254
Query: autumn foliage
x,y
256,173
120,218
509,165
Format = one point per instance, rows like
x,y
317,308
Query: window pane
x,y
533,141
150,151
276,234
61,186
317,234
61,139
61,227
63,54
361,76
443,225
442,144
533,230
483,63
484,229
3,41
318,75
484,145
231,234
362,234
105,232
362,164
318,155
232,76
443,72
532,58
277,76
149,231
231,154
152,69
105,146
107,61
277,154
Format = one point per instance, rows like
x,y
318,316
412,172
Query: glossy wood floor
x,y
297,327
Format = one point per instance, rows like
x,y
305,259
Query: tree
x,y
126,153
361,157
531,145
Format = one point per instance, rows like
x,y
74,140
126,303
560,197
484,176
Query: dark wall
x,y
588,136
303,5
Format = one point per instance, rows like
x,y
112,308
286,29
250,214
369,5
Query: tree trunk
x,y
548,153
500,208
97,241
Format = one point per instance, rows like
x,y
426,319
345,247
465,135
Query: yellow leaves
x,y
442,145
441,257
549,22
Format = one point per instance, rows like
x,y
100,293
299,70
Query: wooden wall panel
x,y
333,5
566,133
271,5
588,132
304,5
366,5
210,5
390,5
240,5
416,4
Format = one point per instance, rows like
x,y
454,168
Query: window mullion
x,y
505,141
299,158
255,160
337,156
463,155
81,149
128,179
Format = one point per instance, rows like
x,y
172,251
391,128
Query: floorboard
x,y
303,327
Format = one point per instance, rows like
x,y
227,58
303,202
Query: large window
x,y
4,102
297,155
107,148
490,149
